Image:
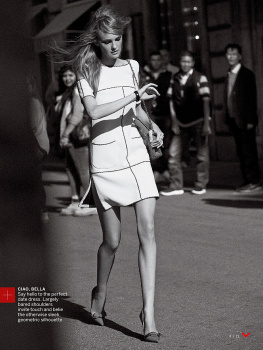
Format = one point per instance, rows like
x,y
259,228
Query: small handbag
x,y
146,130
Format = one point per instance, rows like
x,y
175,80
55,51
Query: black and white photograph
x,y
131,175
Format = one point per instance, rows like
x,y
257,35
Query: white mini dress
x,y
119,162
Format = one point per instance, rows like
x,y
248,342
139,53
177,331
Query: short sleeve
x,y
135,71
84,88
204,89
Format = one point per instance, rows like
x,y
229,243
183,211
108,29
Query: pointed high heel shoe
x,y
98,318
152,337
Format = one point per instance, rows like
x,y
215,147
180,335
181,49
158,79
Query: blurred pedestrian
x,y
166,56
53,92
157,73
120,165
74,138
241,116
39,128
191,102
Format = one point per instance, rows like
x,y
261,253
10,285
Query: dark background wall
x,y
203,26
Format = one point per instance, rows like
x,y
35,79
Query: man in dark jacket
x,y
190,119
241,116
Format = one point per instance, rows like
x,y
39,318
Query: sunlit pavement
x,y
209,270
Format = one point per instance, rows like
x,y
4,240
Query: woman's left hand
x,y
156,137
148,92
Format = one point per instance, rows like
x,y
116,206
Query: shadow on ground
x,y
236,203
78,312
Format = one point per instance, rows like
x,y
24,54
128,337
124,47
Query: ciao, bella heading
x,y
32,289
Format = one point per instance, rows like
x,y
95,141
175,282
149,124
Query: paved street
x,y
209,271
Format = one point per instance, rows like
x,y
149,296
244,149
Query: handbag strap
x,y
144,105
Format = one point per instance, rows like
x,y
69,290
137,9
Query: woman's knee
x,y
112,245
146,231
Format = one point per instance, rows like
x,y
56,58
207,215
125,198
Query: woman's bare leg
x,y
145,210
110,223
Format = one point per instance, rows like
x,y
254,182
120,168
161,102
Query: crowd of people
x,y
183,111
98,99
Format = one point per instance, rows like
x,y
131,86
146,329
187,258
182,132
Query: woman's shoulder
x,y
83,87
134,63
122,63
80,76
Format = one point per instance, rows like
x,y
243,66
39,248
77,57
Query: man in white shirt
x,y
191,105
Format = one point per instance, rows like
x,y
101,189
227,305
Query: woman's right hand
x,y
148,92
64,142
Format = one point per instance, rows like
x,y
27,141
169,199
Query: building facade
x,y
202,26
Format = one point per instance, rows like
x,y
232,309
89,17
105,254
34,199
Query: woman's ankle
x,y
149,321
98,301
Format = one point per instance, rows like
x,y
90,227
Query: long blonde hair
x,y
84,55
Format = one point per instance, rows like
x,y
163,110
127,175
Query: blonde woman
x,y
121,173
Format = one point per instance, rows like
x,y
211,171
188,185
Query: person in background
x,y
191,102
166,56
77,151
53,93
241,116
39,128
157,73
